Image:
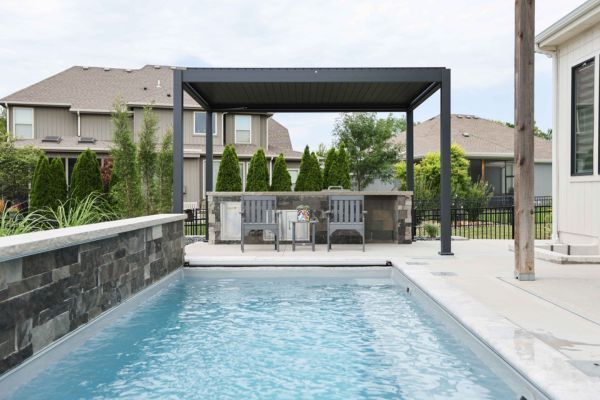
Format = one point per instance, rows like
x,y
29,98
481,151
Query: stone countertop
x,y
321,193
36,242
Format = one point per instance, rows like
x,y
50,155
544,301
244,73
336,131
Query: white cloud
x,y
473,37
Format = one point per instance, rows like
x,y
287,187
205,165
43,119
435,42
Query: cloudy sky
x,y
472,37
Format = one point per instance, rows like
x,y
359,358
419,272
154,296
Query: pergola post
x,y
524,144
208,174
177,205
445,167
410,169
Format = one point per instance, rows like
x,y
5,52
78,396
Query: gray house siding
x,y
192,172
98,126
50,121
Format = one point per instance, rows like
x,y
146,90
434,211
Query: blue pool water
x,y
275,338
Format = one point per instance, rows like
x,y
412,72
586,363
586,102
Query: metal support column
x,y
208,178
410,169
445,186
177,205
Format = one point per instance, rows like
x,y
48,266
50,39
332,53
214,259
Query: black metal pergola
x,y
314,90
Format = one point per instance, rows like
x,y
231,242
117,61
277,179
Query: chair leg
x,y
363,238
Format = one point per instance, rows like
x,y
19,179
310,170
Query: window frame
x,y
235,130
297,174
14,122
215,125
573,118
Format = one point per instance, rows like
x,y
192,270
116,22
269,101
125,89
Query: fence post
x,y
512,220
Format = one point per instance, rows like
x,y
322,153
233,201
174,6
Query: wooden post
x,y
524,122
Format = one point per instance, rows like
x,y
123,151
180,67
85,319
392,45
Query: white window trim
x,y
215,128
235,138
298,173
14,120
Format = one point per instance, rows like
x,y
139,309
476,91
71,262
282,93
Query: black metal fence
x,y
474,221
195,223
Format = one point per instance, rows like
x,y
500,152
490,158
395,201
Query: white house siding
x,y
578,197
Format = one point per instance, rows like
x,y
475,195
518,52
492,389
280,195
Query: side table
x,y
312,229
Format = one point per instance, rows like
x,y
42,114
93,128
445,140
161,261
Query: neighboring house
x,y
489,147
70,112
573,42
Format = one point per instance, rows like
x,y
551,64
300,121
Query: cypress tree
x,y
258,173
309,177
327,173
228,178
41,189
147,158
281,180
126,192
86,177
59,181
164,189
341,169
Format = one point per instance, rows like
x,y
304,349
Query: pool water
x,y
271,338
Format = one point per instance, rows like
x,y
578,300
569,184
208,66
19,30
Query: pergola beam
x,y
445,167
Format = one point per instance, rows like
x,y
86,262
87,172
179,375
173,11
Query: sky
x,y
474,38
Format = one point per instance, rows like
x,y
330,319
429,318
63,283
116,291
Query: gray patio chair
x,y
346,213
259,213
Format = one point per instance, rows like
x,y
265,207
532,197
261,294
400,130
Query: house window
x,y
294,176
200,123
582,114
23,123
243,128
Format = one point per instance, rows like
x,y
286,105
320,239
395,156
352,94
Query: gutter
x,y
559,26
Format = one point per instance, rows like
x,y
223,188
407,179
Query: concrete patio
x,y
560,307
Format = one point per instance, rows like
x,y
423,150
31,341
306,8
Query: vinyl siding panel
x,y
52,121
188,129
578,216
98,126
192,179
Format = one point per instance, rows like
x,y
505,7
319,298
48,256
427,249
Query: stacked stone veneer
x,y
43,296
388,220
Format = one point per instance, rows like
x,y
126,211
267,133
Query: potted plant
x,y
303,213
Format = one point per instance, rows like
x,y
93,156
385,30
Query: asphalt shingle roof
x,y
479,138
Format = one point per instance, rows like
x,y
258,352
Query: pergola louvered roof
x,y
311,89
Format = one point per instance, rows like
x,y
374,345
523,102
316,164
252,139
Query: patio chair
x,y
259,213
346,213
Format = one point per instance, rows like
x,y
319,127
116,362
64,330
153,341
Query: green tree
x,y
86,178
340,169
427,175
309,177
228,178
371,154
147,159
164,187
322,150
3,130
125,191
17,166
281,180
327,173
41,195
59,182
258,173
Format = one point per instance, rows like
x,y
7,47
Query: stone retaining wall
x,y
54,290
388,217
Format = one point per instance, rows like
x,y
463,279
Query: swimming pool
x,y
220,334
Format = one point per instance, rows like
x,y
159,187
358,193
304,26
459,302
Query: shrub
x,y
13,222
59,181
147,158
431,230
281,180
125,191
341,169
75,212
477,197
165,174
329,161
228,178
86,177
309,177
41,195
17,166
258,173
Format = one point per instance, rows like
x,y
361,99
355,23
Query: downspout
x,y
78,124
271,171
